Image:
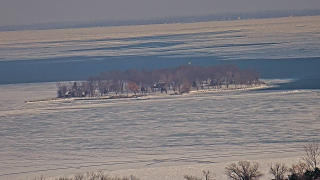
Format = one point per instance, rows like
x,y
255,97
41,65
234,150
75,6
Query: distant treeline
x,y
181,79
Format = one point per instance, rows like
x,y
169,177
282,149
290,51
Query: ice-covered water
x,y
66,137
251,39
170,135
277,48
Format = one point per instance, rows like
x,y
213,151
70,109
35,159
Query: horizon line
x,y
227,16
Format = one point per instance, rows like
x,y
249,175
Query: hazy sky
x,y
36,11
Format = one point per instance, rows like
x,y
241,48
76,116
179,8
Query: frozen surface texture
x,y
294,37
171,134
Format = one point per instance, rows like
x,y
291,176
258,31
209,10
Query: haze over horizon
x,y
19,12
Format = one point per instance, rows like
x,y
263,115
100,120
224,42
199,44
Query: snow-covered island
x,y
135,83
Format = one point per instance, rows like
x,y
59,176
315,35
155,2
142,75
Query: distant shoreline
x,y
229,16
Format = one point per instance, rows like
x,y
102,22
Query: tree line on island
x,y
181,79
242,170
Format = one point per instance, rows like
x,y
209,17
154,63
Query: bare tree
x,y
92,87
133,178
180,78
92,176
62,90
312,155
103,87
185,87
116,87
298,170
79,177
207,174
188,177
244,170
278,170
133,87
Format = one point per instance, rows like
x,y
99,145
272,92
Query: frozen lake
x,y
171,135
67,137
277,48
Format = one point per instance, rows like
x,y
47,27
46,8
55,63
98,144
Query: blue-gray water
x,y
278,48
66,137
307,70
